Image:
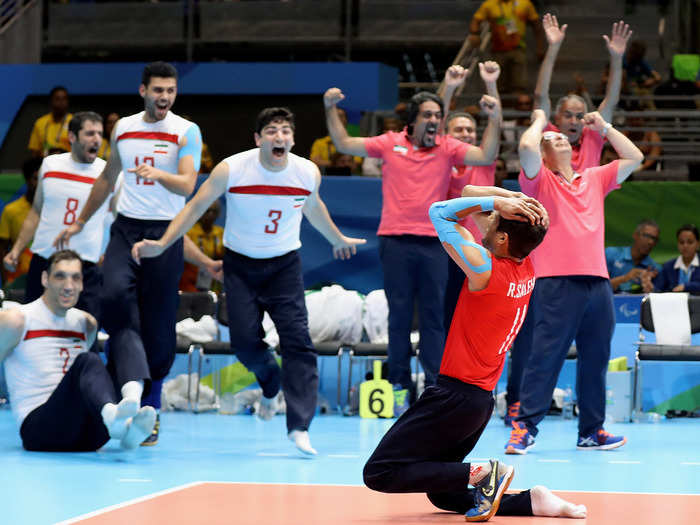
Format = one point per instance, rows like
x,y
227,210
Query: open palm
x,y
555,34
617,42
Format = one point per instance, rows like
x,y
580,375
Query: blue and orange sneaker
x,y
511,413
520,439
488,493
601,440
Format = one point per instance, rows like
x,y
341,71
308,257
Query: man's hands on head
x,y
520,207
332,96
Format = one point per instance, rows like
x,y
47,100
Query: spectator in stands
x,y
323,149
109,122
372,167
508,20
501,173
417,169
209,238
682,274
642,138
640,74
630,266
12,218
51,130
341,164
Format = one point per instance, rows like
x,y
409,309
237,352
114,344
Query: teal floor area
x,y
43,488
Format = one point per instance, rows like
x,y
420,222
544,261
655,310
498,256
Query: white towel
x,y
671,318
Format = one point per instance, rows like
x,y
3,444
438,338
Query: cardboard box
x,y
619,396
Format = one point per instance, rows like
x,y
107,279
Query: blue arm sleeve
x,y
193,146
443,214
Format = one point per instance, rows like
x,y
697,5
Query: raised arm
x,y
29,226
316,212
616,44
212,189
189,160
490,140
455,76
489,72
344,143
630,155
529,147
101,189
555,36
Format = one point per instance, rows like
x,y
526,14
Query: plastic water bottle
x,y
653,417
567,409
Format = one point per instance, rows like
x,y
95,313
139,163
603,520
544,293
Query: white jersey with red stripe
x,y
65,186
263,207
157,144
47,349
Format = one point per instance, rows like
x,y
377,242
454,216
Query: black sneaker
x,y
487,496
153,438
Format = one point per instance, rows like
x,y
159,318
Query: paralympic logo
x,y
628,311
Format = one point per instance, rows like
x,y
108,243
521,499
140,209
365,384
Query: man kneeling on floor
x,y
62,396
425,449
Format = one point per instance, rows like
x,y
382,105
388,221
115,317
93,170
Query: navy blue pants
x,y
275,286
455,281
139,303
70,420
89,300
415,268
569,308
424,450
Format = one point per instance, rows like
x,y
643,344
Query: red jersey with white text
x,y
486,322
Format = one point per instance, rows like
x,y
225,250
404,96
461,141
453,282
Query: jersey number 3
x,y
275,217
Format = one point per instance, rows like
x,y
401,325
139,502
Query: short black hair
x,y
523,237
414,106
646,222
158,69
31,166
62,255
689,228
268,115
458,114
76,123
56,89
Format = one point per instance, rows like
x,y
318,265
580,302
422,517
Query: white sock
x,y
139,428
301,439
133,390
115,417
268,408
545,503
477,472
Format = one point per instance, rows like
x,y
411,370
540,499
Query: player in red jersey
x,y
425,449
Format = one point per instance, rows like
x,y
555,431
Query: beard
x,y
428,141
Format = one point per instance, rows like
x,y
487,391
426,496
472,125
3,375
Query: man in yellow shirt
x,y
13,216
50,132
509,20
322,149
209,238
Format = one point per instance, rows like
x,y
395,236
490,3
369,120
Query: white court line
x,y
623,462
554,460
344,456
134,480
274,454
127,503
691,463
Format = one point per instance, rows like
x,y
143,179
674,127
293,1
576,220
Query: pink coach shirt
x,y
476,176
574,244
412,179
585,154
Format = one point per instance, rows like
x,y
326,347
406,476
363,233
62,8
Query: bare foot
x,y
545,503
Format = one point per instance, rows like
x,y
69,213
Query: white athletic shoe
x,y
268,408
300,438
139,428
115,417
